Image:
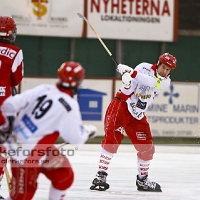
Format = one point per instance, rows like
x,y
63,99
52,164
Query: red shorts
x,y
119,122
24,177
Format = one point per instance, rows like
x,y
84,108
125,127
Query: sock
x,y
143,167
104,161
56,194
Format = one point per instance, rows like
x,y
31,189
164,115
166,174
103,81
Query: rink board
x,y
173,113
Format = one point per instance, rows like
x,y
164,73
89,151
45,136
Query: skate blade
x,y
143,190
98,188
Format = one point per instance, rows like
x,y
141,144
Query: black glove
x,y
5,134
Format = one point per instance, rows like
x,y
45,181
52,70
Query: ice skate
x,y
99,183
1,198
145,184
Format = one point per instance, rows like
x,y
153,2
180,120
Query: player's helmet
x,y
8,29
168,60
71,74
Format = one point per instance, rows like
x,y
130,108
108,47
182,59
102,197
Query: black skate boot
x,y
1,198
99,183
145,184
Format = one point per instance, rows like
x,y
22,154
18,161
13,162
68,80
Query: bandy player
x,y
125,116
11,66
46,112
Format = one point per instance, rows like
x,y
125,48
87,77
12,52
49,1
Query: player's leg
x,y
139,133
24,181
114,133
59,171
99,182
3,162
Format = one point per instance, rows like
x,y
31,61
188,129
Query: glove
x,y
126,79
91,130
5,132
158,83
124,68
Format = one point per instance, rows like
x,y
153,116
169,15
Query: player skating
x,y
11,67
125,115
46,112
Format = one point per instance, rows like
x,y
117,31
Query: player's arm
x,y
5,127
145,79
73,131
14,104
17,69
9,108
128,73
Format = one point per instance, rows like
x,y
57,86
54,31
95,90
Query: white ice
x,y
175,168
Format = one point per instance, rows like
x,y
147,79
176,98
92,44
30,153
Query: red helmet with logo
x,y
71,74
8,29
168,60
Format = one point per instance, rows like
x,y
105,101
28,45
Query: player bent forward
x,y
46,113
125,115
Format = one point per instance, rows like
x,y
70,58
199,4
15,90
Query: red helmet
x,y
168,60
8,28
71,74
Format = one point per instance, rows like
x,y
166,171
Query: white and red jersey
x,y
44,111
142,91
11,68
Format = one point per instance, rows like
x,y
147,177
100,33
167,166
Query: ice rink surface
x,y
175,168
